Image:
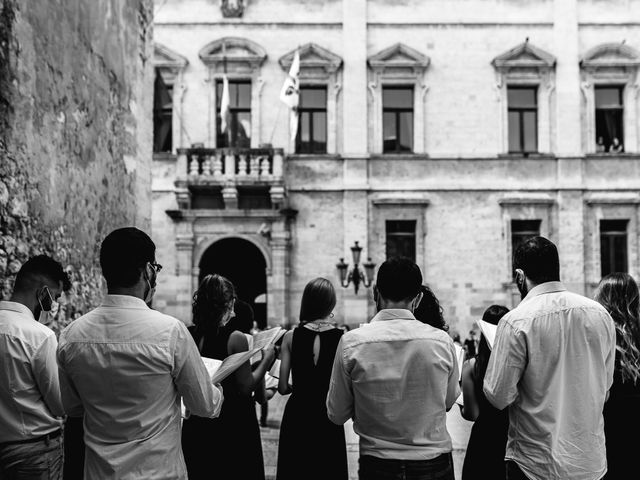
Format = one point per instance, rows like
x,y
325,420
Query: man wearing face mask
x,y
30,408
397,377
124,367
552,365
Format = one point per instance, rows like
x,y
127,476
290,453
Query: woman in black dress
x,y
618,293
488,440
227,447
311,447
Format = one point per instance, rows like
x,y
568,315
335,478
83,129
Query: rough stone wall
x,y
75,141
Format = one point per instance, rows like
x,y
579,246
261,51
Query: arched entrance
x,y
243,263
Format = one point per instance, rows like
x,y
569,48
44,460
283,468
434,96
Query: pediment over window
x,y
314,61
611,55
524,56
399,57
167,58
233,54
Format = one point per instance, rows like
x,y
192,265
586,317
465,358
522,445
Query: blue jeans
x,y
439,468
41,460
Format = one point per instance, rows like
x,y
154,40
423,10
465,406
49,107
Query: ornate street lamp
x,y
356,275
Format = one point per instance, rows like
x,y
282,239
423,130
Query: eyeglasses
x,y
156,266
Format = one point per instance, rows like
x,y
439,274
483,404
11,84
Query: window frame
x,y
397,111
311,111
611,235
163,114
401,235
232,110
521,112
620,88
523,234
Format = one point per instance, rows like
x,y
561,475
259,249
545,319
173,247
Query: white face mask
x,y
47,316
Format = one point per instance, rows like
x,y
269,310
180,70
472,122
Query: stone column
x,y
184,269
568,143
278,278
355,149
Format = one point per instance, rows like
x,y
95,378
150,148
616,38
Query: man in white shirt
x,y
125,367
552,365
30,407
397,377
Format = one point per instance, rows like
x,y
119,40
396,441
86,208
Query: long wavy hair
x,y
618,293
429,310
492,315
210,302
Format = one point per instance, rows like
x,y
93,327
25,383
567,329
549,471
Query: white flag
x,y
290,94
224,105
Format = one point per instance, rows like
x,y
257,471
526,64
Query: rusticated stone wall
x,y
75,136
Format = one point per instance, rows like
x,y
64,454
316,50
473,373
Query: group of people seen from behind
x,y
551,397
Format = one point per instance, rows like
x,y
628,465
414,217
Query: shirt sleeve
x,y
611,354
192,379
453,386
506,366
340,395
45,371
70,399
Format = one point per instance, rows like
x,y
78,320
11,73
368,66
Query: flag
x,y
224,105
290,94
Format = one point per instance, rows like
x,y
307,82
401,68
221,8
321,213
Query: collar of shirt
x,y
124,301
393,314
547,287
16,307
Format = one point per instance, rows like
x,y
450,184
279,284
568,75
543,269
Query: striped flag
x,y
290,94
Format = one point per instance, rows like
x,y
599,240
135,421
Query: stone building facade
x,y
75,141
447,130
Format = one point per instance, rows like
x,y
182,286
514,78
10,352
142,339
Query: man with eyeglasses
x,y
124,367
30,408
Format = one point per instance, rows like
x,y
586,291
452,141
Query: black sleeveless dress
x,y
311,447
227,447
621,427
488,441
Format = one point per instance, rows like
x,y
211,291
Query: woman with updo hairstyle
x,y
228,446
618,294
310,446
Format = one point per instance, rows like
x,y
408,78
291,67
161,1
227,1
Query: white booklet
x,y
267,337
459,359
489,331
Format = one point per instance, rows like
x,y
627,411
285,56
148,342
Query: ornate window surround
x,y
171,66
399,65
613,206
611,64
319,66
241,59
526,65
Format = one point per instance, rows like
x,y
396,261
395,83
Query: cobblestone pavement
x,y
459,429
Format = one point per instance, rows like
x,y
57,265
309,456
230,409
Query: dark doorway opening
x,y
244,265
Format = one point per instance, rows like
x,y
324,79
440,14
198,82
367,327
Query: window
x,y
397,119
401,238
522,230
609,115
523,119
613,246
162,115
312,118
238,131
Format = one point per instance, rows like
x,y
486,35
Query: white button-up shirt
x,y
396,377
30,403
552,364
126,367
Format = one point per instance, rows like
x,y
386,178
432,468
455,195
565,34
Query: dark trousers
x,y
514,472
41,460
439,468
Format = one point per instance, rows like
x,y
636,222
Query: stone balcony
x,y
228,172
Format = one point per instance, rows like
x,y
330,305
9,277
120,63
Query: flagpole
x,y
275,124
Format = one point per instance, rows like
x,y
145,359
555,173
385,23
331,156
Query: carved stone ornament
x,y
232,8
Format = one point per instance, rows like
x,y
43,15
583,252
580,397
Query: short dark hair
x,y
494,313
123,255
41,266
399,279
318,300
538,258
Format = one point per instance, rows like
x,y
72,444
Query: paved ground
x,y
458,428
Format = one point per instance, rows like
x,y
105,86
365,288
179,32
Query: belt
x,y
43,438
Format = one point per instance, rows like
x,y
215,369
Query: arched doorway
x,y
243,263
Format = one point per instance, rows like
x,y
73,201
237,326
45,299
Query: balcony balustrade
x,y
228,169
